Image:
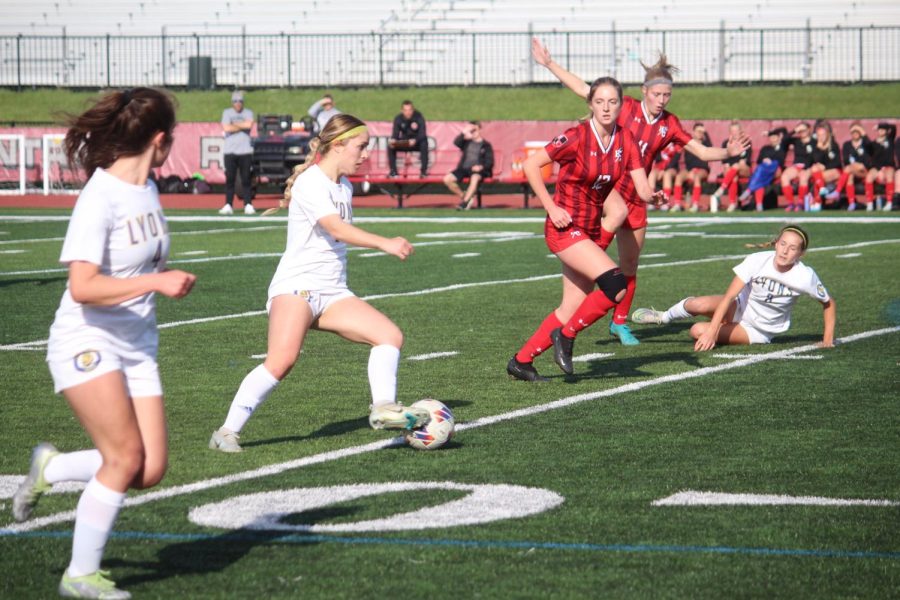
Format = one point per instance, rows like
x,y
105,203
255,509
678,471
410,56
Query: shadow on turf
x,y
36,281
214,554
336,428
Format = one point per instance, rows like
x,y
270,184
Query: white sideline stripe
x,y
193,253
275,469
849,255
13,251
811,357
590,357
460,286
692,498
431,355
465,255
654,255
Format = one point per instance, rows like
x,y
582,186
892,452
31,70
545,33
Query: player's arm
x,y
643,189
707,341
542,57
532,169
735,147
88,285
829,316
351,234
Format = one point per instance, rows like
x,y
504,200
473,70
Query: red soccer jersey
x,y
651,136
588,170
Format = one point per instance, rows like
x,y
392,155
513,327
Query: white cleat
x,y
397,416
35,485
647,315
225,440
226,210
95,585
249,210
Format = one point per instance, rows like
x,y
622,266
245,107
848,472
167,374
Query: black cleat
x,y
562,350
523,371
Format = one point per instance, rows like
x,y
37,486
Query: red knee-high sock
x,y
729,176
624,306
759,195
667,192
851,190
679,195
539,340
592,308
888,191
870,192
606,237
695,193
802,191
788,193
732,190
842,182
818,182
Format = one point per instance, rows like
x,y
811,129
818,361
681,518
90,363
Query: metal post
x,y
807,55
473,59
108,78
762,54
664,41
288,59
19,62
381,59
612,48
528,60
243,55
162,45
568,50
860,54
721,51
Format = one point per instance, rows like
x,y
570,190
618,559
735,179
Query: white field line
x,y
466,255
278,468
460,286
431,355
590,357
692,498
849,255
730,356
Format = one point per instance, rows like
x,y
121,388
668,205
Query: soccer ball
x,y
439,429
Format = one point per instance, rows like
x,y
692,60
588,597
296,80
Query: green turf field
x,y
550,102
560,478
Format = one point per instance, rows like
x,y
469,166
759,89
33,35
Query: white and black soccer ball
x,y
439,429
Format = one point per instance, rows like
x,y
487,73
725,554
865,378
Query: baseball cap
x,y
237,96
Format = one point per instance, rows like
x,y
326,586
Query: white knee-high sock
x,y
678,311
97,511
73,466
383,361
254,390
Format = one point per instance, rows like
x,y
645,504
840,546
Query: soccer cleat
x,y
523,371
562,350
851,207
675,208
647,315
471,203
225,440
397,416
35,485
888,206
623,333
731,207
249,210
461,205
870,206
694,208
713,204
226,210
95,585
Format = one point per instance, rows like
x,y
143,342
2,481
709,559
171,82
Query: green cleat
x,y
623,333
397,416
35,485
95,585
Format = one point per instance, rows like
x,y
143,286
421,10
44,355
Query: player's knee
x,y
612,283
698,329
152,474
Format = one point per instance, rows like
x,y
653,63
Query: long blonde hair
x,y
319,145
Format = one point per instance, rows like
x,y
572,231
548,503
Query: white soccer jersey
x,y
773,294
121,228
313,260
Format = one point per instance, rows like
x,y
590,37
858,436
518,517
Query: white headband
x,y
653,82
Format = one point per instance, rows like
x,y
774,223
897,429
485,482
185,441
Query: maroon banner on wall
x,y
198,146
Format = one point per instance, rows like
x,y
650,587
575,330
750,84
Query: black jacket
x,y
409,129
485,155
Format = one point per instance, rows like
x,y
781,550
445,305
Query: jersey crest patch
x,y
663,130
820,290
87,361
559,140
618,155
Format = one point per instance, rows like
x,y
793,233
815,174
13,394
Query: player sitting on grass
x,y
757,305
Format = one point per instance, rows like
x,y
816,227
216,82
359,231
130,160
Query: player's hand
x,y
707,341
559,217
737,145
539,52
175,283
826,344
659,198
398,247
477,168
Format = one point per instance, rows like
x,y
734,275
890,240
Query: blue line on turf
x,y
280,538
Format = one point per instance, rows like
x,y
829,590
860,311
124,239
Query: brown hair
x,y
320,145
120,123
661,70
804,237
600,81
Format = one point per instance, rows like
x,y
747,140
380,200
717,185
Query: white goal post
x,y
12,164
